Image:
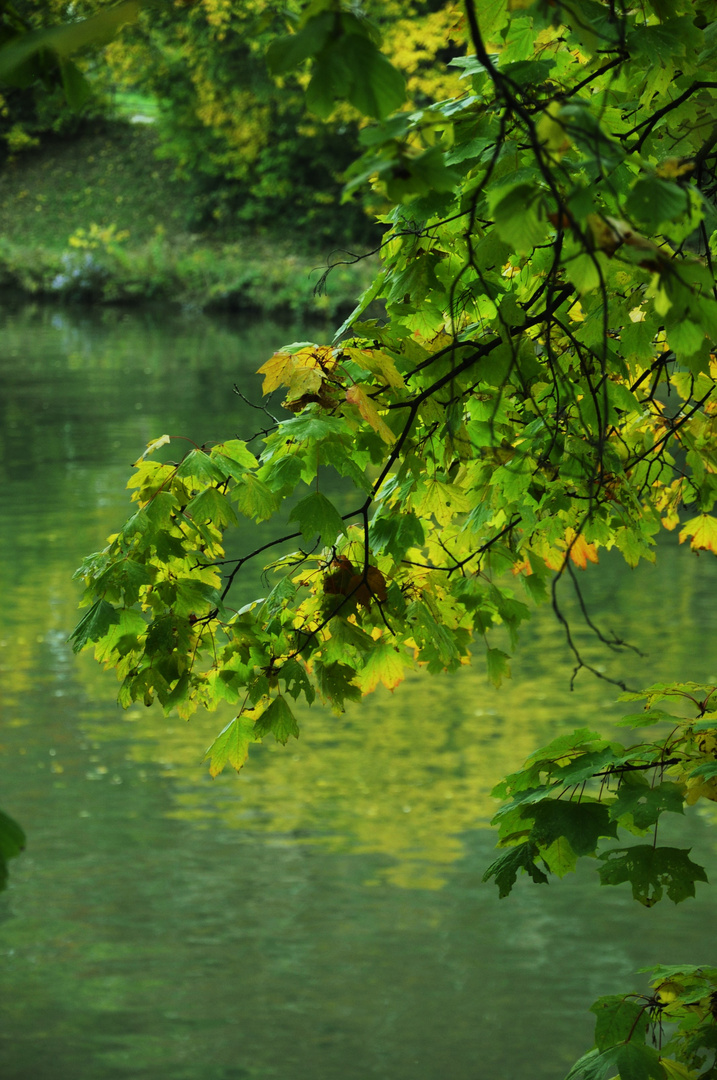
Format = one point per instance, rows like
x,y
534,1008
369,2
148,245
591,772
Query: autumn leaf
x,y
356,395
379,364
346,580
384,664
338,582
703,530
301,371
276,371
368,586
580,550
155,445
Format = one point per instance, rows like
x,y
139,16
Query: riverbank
x,y
101,219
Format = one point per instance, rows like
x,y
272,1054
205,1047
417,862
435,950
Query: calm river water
x,y
321,916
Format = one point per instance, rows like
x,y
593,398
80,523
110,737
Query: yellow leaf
x,y
385,664
358,396
284,367
379,363
697,787
703,530
303,381
672,168
276,371
155,445
580,550
676,1070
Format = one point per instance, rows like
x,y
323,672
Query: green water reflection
x,y
320,916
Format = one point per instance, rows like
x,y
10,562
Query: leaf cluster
x,y
540,389
669,1033
577,792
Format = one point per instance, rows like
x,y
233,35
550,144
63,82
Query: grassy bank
x,y
101,219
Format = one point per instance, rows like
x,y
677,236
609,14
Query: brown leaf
x,y
370,586
339,583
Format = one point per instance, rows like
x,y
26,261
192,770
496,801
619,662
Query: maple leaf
x,y
378,363
301,371
356,395
338,582
703,530
580,549
368,586
384,664
231,745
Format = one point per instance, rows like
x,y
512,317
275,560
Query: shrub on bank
x,y
98,267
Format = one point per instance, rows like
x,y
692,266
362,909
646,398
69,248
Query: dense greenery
x,y
245,140
45,88
541,389
242,140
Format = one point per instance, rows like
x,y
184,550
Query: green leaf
x,y
654,201
647,718
255,499
94,625
635,1061
199,466
396,533
685,337
628,1061
279,720
336,683
311,427
77,89
12,837
282,474
384,663
64,40
516,215
233,458
293,675
643,804
707,769
498,666
584,272
12,842
377,87
315,514
288,52
617,1018
595,1065
581,823
652,870
493,17
582,739
211,505
506,866
231,745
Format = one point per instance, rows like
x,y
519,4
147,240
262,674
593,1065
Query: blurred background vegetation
x,y
187,157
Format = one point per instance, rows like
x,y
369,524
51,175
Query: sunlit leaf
x,y
231,746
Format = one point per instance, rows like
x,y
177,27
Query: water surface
x,y
321,915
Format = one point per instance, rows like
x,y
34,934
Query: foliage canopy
x,y
541,386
